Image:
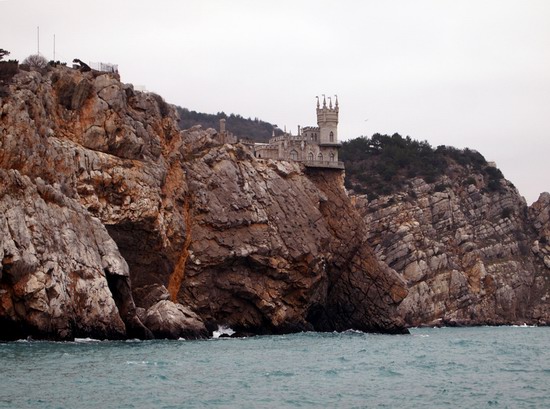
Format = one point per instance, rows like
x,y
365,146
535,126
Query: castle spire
x,y
324,101
330,102
317,101
336,104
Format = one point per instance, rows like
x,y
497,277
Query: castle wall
x,y
266,151
300,150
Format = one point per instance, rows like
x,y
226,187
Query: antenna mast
x,y
38,38
54,47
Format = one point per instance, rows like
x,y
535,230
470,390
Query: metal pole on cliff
x,y
38,39
54,47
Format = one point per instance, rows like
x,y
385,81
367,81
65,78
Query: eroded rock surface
x,y
97,143
274,250
53,279
539,215
170,320
261,246
468,253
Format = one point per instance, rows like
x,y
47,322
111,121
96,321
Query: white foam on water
x,y
84,340
222,330
351,331
138,363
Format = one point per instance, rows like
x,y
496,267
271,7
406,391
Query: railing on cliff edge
x,y
323,164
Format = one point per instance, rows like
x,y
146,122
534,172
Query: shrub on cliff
x,y
35,62
7,70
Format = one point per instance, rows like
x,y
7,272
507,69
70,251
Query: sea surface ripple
x,y
483,367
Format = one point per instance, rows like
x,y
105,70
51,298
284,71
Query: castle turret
x,y
315,147
327,120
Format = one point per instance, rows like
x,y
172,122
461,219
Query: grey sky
x,y
462,73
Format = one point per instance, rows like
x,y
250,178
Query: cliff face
x,y
112,218
275,250
539,217
114,223
472,253
54,280
88,138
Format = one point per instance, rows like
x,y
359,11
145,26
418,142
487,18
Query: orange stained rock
x,y
177,276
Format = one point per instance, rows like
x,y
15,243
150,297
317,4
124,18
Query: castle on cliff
x,y
314,146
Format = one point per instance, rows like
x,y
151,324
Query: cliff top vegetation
x,y
382,164
253,129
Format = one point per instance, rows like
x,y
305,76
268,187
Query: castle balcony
x,y
323,164
330,144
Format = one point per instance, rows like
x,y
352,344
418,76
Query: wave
x,y
86,340
222,330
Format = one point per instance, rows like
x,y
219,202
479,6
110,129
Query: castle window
x,y
332,156
293,155
320,157
310,156
332,136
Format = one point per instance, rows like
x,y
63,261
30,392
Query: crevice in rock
x,y
122,295
143,251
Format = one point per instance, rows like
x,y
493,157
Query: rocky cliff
x,y
275,250
470,249
117,224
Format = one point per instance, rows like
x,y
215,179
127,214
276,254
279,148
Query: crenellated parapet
x,y
327,120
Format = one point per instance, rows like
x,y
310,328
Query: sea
x,y
480,367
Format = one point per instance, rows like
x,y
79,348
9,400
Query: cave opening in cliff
x,y
142,250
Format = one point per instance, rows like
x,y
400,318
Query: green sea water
x,y
484,367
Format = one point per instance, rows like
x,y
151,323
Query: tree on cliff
x,y
3,53
35,62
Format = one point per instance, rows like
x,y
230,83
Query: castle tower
x,y
327,120
222,133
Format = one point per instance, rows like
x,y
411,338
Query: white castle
x,y
314,146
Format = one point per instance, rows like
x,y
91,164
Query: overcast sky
x,y
468,73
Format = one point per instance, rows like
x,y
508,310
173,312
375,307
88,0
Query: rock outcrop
x,y
171,320
98,144
274,250
136,211
467,249
55,281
